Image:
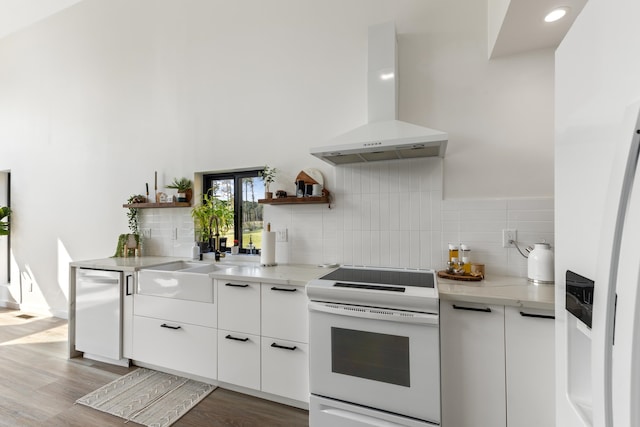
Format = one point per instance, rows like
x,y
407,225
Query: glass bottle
x,y
453,252
465,257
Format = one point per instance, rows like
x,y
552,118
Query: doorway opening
x,y
5,241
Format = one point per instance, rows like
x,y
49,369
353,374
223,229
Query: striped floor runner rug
x,y
148,397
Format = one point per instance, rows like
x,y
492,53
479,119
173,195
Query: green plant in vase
x,y
268,175
182,186
211,216
127,242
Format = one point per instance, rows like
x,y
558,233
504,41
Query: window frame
x,y
237,177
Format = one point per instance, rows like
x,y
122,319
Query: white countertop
x,y
248,269
503,290
513,291
123,264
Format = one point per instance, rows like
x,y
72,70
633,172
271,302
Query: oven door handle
x,y
383,314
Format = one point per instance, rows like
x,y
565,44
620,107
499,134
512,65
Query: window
x,y
241,190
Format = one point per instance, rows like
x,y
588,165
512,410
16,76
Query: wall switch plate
x,y
282,235
509,235
174,234
146,232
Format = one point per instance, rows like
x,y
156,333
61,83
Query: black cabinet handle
x,y
237,286
230,337
127,291
539,316
284,347
484,310
164,325
283,289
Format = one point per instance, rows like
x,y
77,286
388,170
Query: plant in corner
x,y
268,175
5,212
183,186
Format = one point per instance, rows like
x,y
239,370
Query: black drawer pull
x,y
237,286
283,289
539,316
484,310
164,325
284,347
230,337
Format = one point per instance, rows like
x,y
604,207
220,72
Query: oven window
x,y
378,357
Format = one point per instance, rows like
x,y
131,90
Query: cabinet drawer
x,y
173,345
285,368
284,312
239,305
176,310
239,359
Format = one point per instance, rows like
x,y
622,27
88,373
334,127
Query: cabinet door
x,y
239,359
530,367
285,368
127,316
178,346
284,312
472,364
239,306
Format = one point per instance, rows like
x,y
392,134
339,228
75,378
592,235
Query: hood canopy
x,y
384,137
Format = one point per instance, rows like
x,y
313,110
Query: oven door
x,y
383,359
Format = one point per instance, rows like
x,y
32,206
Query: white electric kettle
x,y
541,264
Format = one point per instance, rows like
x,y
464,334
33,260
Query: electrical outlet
x,y
282,235
509,235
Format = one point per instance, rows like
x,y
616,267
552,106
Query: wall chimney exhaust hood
x,y
383,137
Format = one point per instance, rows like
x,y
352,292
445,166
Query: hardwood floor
x,y
39,385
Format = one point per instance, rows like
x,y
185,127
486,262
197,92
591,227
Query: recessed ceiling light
x,y
556,14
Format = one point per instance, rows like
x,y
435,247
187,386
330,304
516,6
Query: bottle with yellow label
x,y
453,252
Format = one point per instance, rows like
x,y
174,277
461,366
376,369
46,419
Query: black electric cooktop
x,y
424,279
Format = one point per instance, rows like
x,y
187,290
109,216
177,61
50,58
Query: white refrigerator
x,y
597,194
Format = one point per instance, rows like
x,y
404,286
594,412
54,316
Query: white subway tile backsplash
x,y
532,204
388,214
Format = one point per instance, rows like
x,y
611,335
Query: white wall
x,y
98,97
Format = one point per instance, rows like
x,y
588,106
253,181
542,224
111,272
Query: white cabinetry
x,y
530,367
239,335
239,358
176,334
285,349
262,341
473,364
497,365
284,312
239,306
127,315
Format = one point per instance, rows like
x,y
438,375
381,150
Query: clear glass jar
x,y
465,257
453,252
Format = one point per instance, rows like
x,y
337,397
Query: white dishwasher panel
x,y
99,312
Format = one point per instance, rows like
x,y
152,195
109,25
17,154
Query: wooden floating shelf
x,y
158,205
294,200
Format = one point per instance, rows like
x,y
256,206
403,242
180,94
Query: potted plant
x,y
183,187
212,215
5,212
268,175
131,241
